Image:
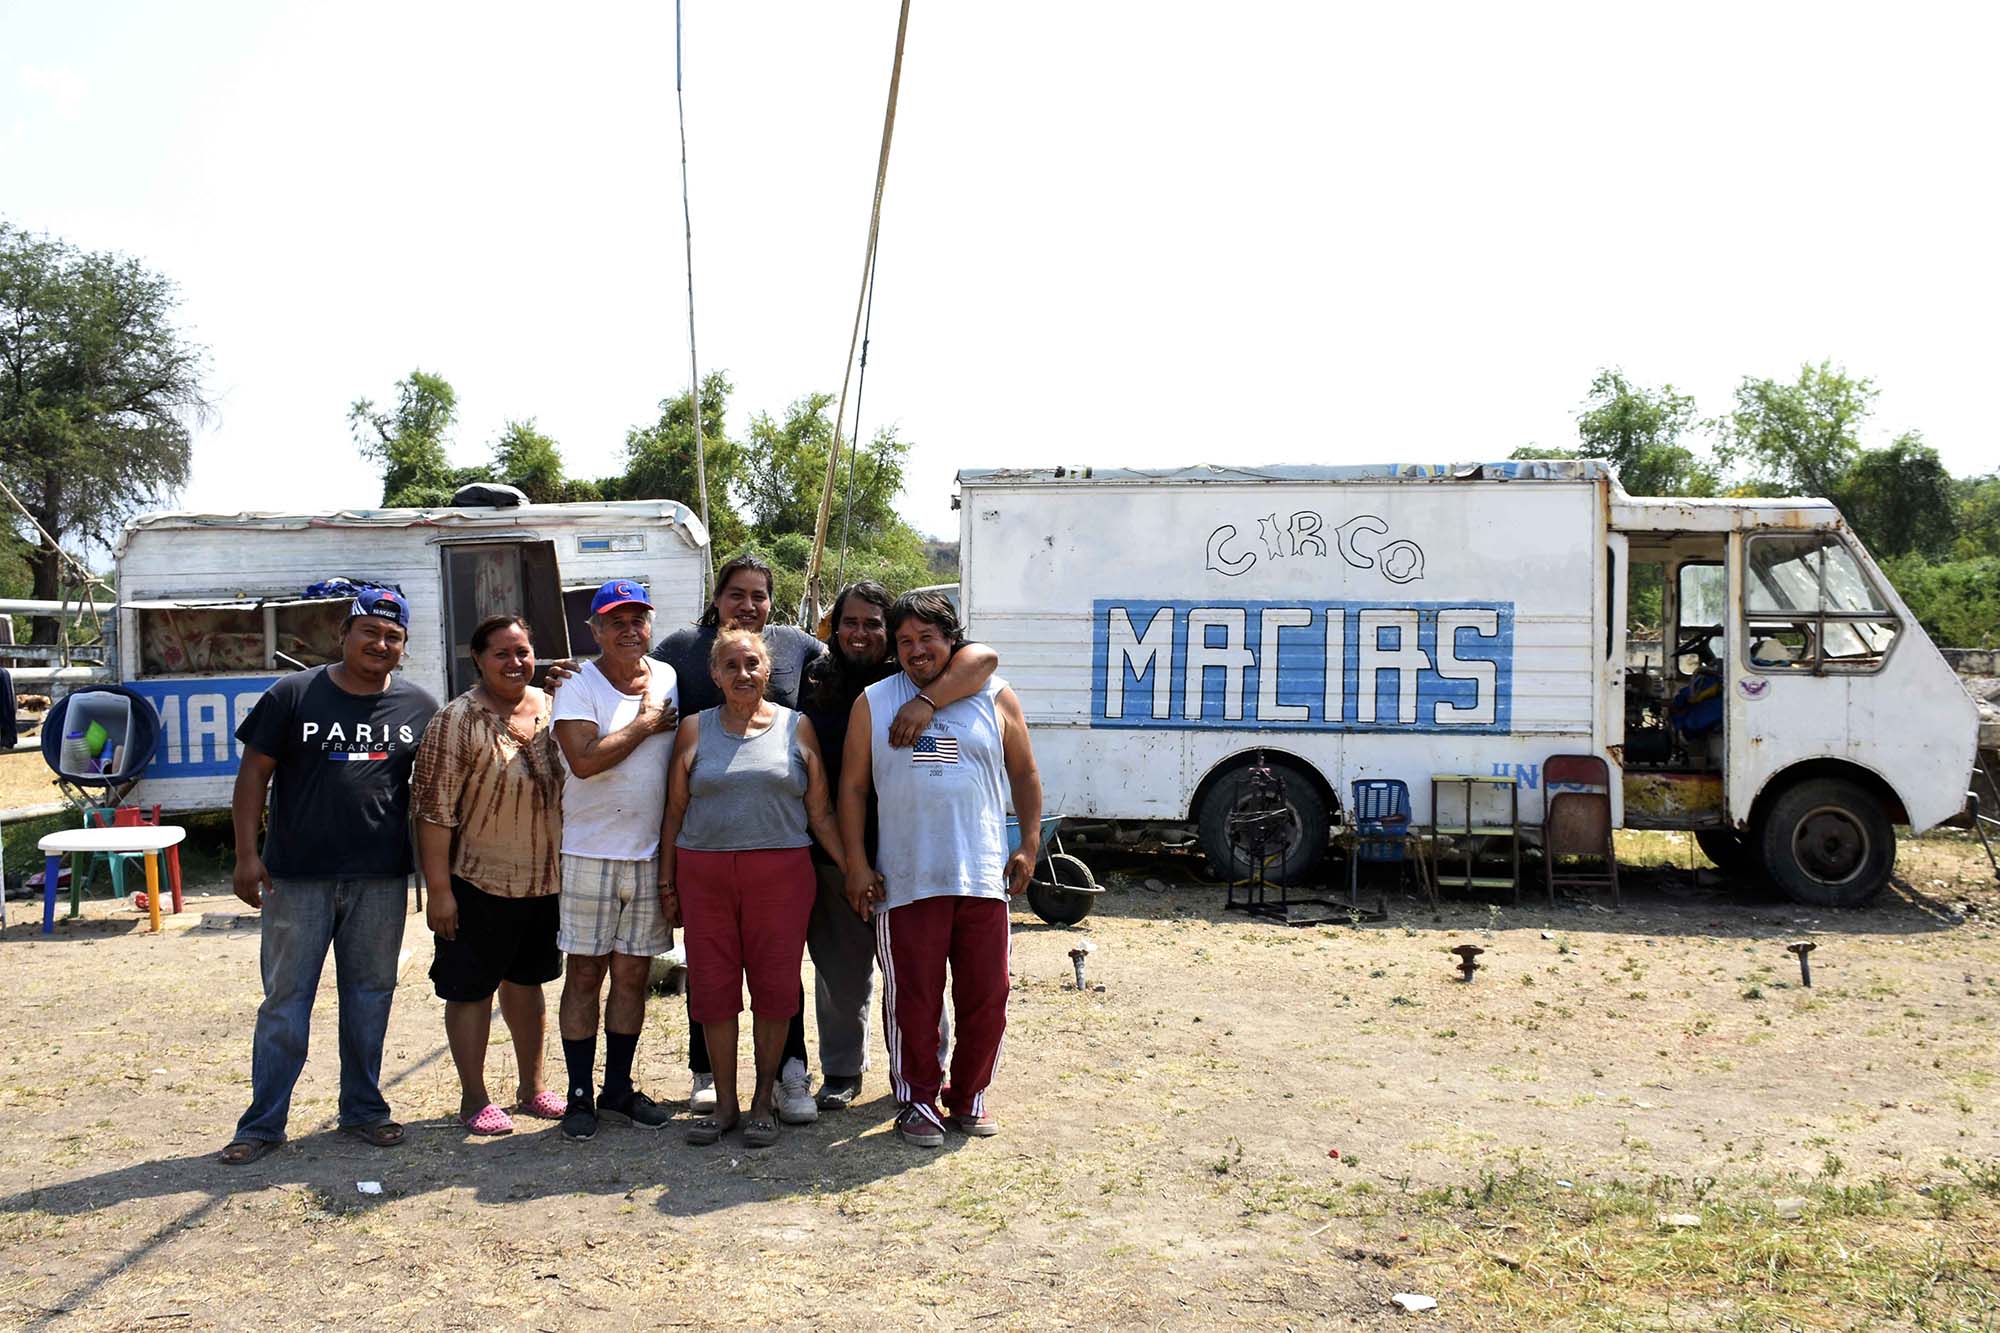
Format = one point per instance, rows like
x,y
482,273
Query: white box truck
x,y
212,608
1163,629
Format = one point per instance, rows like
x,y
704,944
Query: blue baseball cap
x,y
383,603
618,592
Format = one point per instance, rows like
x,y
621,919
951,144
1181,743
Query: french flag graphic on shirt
x,y
356,756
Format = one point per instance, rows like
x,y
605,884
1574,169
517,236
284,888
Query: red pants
x,y
913,943
745,915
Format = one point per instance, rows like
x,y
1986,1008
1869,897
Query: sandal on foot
x,y
708,1131
386,1134
242,1152
759,1133
544,1105
490,1120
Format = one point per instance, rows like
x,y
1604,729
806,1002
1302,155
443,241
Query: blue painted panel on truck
x,y
198,721
1357,666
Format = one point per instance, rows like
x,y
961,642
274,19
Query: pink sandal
x,y
544,1105
491,1120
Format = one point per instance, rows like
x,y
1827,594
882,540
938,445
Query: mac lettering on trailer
x,y
198,722
1352,665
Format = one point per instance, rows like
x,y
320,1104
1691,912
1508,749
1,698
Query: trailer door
x,y
488,578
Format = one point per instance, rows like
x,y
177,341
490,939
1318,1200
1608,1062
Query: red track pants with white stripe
x,y
913,943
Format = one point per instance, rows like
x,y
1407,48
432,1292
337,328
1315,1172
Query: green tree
x,y
526,458
786,466
1978,506
1956,601
1801,436
410,442
1640,431
1901,499
98,394
660,461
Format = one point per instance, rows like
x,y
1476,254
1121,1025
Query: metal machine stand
x,y
1261,824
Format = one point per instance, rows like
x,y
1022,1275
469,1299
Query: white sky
x,y
1116,234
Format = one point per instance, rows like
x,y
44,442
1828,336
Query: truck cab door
x,y
1811,632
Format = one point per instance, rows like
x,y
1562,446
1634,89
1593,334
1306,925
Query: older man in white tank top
x,y
938,893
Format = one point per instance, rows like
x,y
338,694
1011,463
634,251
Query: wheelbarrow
x,y
1063,890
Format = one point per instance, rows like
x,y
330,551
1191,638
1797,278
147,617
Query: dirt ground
x,y
1512,1147
25,780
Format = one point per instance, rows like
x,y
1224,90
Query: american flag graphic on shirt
x,y
935,750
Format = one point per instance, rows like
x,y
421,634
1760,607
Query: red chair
x,y
1576,821
132,816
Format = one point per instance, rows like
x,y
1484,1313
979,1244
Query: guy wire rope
x,y
811,608
854,449
687,230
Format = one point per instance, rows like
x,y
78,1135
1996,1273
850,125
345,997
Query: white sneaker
x,y
701,1097
795,1104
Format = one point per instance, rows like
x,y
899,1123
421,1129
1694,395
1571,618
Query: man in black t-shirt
x,y
334,746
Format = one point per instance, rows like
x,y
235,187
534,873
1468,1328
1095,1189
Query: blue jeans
x,y
363,920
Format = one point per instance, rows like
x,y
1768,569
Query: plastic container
x,y
131,735
102,716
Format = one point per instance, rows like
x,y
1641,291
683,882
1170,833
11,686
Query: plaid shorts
x,y
612,907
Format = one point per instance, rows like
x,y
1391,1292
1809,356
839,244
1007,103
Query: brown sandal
x,y
759,1133
386,1134
242,1152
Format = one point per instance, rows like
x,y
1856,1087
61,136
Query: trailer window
x,y
237,638
1809,607
177,641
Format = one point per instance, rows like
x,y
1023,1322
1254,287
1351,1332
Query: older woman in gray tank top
x,y
744,786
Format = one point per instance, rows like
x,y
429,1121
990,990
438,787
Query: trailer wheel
x,y
1298,851
1053,900
1734,853
1828,843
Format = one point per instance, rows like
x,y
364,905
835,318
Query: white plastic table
x,y
148,840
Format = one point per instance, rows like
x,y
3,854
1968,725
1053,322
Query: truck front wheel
x,y
1828,842
1294,826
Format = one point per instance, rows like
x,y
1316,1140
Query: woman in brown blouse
x,y
487,794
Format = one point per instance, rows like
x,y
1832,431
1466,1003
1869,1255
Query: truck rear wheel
x,y
1295,831
1827,842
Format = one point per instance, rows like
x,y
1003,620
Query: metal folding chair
x,y
1576,821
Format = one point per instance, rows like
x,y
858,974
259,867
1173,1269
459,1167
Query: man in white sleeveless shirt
x,y
939,889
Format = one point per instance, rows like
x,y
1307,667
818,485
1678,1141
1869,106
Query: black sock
x,y
618,1049
697,1045
795,1035
580,1055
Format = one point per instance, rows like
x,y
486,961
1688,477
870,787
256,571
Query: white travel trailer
x,y
1163,629
213,607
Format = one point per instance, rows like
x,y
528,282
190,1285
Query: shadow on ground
x,y
1657,899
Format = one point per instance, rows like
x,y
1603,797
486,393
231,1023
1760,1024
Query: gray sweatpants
x,y
843,953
